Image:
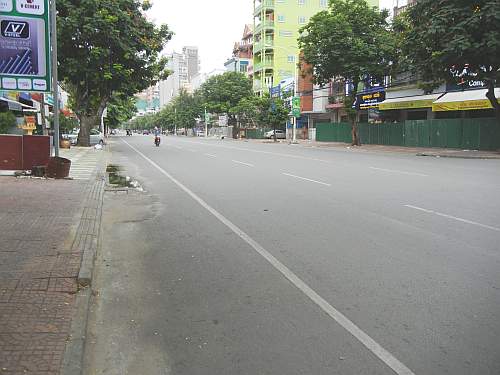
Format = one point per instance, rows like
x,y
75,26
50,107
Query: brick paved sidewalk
x,y
39,265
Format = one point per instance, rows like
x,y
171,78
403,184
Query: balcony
x,y
264,4
266,64
263,44
264,25
257,85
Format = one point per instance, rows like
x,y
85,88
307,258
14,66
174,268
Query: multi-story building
x,y
401,5
242,58
192,61
276,30
183,67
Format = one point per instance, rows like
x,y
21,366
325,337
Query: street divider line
x,y
240,162
258,151
307,179
386,357
211,155
453,217
400,172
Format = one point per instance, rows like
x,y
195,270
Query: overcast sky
x,y
213,26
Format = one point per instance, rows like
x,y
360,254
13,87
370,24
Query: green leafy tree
x,y
67,124
349,42
454,41
262,111
273,112
106,46
187,108
247,111
224,92
121,108
7,122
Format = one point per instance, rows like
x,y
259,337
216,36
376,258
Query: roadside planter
x,y
58,167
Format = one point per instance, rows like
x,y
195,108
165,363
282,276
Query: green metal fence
x,y
475,134
255,133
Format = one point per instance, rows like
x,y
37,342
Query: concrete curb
x,y
73,355
490,157
87,241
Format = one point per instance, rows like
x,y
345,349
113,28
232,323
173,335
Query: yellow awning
x,y
464,101
409,102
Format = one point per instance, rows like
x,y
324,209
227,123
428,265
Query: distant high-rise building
x,y
192,61
183,68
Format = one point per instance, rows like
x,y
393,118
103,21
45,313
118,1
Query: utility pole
x,y
42,114
206,123
175,121
55,86
295,93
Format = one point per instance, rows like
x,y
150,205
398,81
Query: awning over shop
x,y
17,106
409,102
464,101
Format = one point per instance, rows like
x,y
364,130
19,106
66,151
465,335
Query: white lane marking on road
x,y
241,162
307,179
453,217
211,155
177,147
400,172
260,151
397,366
191,150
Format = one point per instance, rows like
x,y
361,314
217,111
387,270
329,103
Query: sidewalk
x,y
418,151
45,228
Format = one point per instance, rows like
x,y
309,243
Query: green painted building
x,y
276,29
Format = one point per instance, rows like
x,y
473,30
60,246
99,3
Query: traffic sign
x,y
296,106
24,45
275,92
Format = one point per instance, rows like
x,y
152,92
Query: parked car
x,y
280,134
95,137
145,132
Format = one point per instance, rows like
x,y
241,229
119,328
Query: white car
x,y
280,134
95,137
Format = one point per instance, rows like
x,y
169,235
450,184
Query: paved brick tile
x,y
38,270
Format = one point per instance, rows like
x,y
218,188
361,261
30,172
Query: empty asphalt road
x,y
253,258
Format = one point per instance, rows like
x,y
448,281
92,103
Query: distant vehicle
x,y
200,133
280,134
145,132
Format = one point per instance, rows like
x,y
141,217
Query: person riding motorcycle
x,y
157,133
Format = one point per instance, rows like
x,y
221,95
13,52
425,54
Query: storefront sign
x,y
369,99
466,105
413,104
24,45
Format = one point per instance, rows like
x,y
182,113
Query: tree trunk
x,y
493,100
86,124
355,133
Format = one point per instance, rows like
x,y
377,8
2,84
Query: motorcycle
x,y
157,141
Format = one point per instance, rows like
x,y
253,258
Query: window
x,y
281,18
291,58
302,2
323,3
286,33
302,19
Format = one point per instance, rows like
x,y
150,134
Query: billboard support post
x,y
55,85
